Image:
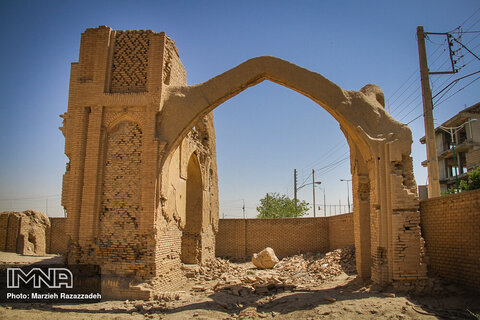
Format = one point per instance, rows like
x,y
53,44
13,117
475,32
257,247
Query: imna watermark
x,y
51,284
53,278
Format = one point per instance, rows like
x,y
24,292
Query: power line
x,y
328,153
33,198
417,96
438,103
391,111
411,110
454,82
331,166
457,28
414,73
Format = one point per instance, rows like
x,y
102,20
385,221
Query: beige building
x,y
463,132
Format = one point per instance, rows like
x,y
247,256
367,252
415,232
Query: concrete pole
x,y
432,160
295,188
313,187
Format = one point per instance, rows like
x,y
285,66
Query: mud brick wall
x,y
340,231
240,238
451,229
9,230
56,237
231,236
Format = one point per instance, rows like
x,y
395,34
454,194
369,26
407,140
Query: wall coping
x,y
303,218
451,196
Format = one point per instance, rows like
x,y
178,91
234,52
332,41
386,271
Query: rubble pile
x,y
307,268
292,273
334,263
214,269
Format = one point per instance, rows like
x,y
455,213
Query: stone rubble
x,y
265,259
292,273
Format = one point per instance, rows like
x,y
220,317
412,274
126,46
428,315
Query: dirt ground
x,y
300,287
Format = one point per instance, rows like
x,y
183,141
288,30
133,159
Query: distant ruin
x,y
24,232
140,188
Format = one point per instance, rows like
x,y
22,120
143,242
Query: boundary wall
x,y
451,229
56,240
238,239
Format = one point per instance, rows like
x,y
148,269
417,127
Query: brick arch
x,y
191,235
112,121
386,214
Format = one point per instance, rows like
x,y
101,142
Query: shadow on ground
x,y
278,302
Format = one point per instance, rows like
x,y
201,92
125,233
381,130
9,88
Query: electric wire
x,y
32,198
440,102
449,87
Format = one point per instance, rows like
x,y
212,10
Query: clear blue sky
x,y
263,133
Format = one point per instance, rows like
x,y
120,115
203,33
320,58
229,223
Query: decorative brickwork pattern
x,y
121,196
130,61
119,182
121,179
451,228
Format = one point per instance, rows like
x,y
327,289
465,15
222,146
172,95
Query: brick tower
x,y
112,188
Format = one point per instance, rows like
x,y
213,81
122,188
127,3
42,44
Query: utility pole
x,y
295,188
244,216
313,188
348,192
324,203
432,160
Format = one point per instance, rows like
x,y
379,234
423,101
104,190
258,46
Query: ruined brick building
x,y
140,188
118,214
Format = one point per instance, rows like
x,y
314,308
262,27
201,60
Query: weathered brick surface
x,y
117,181
3,232
451,228
56,237
340,231
9,230
240,238
23,232
136,78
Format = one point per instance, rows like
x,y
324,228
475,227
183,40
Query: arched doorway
x,y
385,204
191,235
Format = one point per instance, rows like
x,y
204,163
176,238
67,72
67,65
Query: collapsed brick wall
x,y
240,238
56,237
450,225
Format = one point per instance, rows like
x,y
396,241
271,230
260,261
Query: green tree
x,y
472,182
275,205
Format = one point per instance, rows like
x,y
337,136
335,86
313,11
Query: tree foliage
x,y
274,205
472,182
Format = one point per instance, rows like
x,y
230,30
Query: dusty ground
x,y
301,287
